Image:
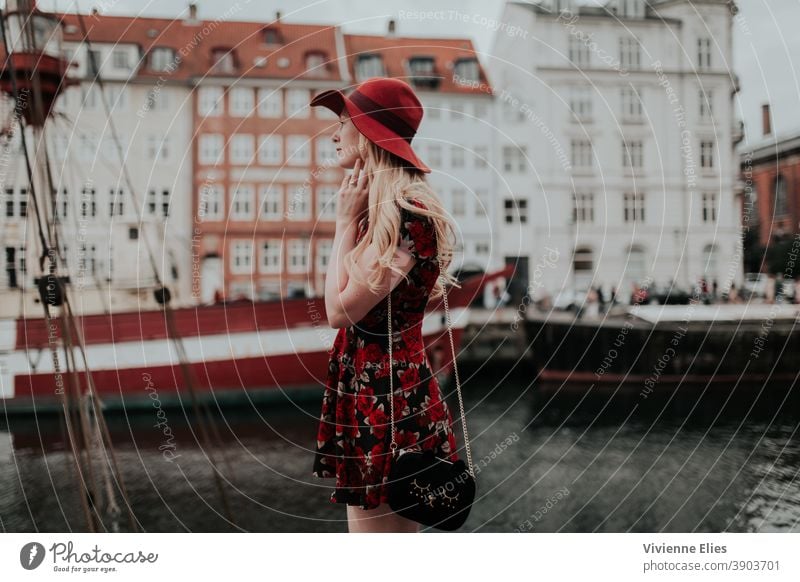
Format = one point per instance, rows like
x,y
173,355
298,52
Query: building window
x,y
316,64
324,249
633,207
116,202
87,261
271,261
88,203
242,257
326,152
710,256
516,210
271,201
632,107
272,36
223,61
456,156
631,8
94,61
299,205
241,101
117,97
369,66
242,149
578,52
435,155
270,103
157,148
482,249
326,202
466,71
630,53
459,202
636,268
706,105
709,200
514,158
120,58
211,204
242,202
583,207
23,202
9,199
481,202
704,53
165,203
633,154
707,154
580,102
297,103
581,150
151,201
209,101
298,150
297,255
481,157
270,150
88,145
781,198
17,200
211,149
156,100
422,71
457,110
583,261
162,59
62,203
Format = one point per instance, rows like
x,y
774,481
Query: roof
x,y
606,10
771,147
196,40
396,51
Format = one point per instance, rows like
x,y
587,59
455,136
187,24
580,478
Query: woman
x,y
392,235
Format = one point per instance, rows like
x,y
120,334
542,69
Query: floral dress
x,y
354,431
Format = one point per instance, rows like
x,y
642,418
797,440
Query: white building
x,y
616,133
110,220
455,140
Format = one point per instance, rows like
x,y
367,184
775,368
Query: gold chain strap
x,y
393,446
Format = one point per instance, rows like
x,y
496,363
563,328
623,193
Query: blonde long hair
x,y
392,182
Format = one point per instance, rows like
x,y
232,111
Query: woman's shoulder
x,y
417,232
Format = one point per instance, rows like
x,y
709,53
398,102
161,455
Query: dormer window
x,y
466,71
272,36
161,59
630,8
422,70
223,61
369,66
316,64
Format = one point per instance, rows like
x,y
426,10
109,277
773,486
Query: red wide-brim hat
x,y
385,110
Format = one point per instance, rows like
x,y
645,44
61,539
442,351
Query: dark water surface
x,y
711,468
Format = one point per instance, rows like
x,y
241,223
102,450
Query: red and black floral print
x,y
354,430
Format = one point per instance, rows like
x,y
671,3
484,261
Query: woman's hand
x,y
353,195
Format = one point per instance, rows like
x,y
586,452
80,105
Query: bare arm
x,y
348,299
349,306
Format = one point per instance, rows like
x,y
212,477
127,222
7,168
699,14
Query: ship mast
x,y
33,75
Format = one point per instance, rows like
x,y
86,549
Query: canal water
x,y
709,468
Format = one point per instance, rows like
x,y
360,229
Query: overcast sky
x,y
766,42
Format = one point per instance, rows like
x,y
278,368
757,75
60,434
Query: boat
x,y
239,351
646,351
